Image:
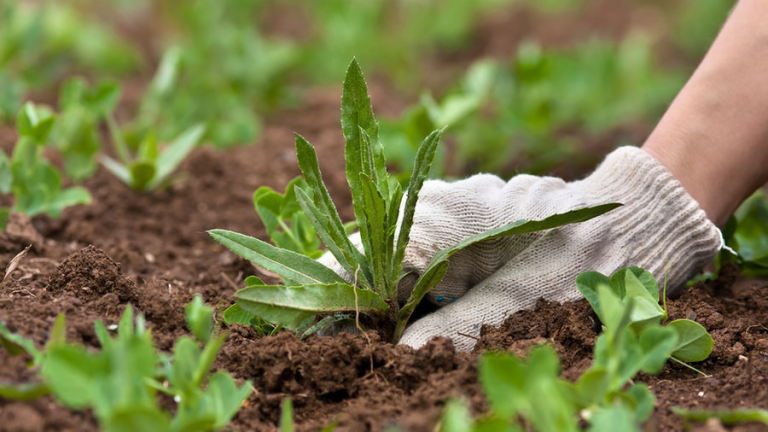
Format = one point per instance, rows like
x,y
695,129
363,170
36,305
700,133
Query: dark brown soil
x,y
152,251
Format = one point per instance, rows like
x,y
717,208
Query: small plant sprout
x,y
151,168
639,287
35,183
312,289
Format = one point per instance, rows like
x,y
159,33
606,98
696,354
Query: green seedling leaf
x,y
35,123
141,175
375,209
72,374
424,158
456,418
207,358
24,392
437,267
286,225
290,265
630,280
290,306
611,419
356,116
657,344
119,170
174,154
694,343
17,344
186,356
199,318
726,417
643,400
587,283
324,217
237,315
225,397
286,416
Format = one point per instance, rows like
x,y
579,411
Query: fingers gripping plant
x,y
313,289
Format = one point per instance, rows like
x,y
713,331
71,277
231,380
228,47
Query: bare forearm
x,y
714,137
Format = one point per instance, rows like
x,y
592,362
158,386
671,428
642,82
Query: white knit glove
x,y
487,282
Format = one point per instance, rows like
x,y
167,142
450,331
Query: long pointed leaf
x,y
310,167
290,265
376,216
334,240
357,114
177,150
290,306
437,267
424,157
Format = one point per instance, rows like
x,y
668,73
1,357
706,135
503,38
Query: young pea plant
x,y
313,289
604,396
638,286
76,132
120,382
35,183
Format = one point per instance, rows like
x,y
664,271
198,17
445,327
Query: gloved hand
x,y
487,282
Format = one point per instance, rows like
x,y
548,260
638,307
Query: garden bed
x,y
153,251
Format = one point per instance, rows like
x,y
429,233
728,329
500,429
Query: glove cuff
x,y
663,217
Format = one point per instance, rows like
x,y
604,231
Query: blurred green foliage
x,y
543,106
42,42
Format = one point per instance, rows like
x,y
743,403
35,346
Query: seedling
x,y
636,285
286,224
35,183
313,289
151,168
603,396
120,382
76,132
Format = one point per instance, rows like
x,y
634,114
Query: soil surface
x,y
152,251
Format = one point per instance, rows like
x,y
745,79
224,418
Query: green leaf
x,y
286,416
207,358
71,374
375,211
290,265
456,417
177,150
237,315
119,170
631,279
657,344
225,396
24,392
644,401
35,123
587,283
324,216
424,158
290,306
356,116
613,418
17,344
137,418
694,343
592,386
199,318
186,358
67,198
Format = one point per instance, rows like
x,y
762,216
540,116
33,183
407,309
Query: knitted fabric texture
x,y
658,223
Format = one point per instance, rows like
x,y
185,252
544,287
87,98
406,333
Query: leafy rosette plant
x,y
639,287
310,288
